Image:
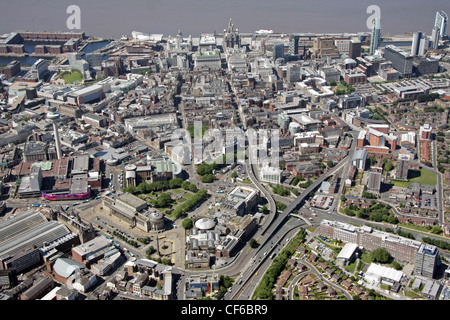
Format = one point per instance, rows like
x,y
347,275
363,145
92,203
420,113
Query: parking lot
x,y
322,202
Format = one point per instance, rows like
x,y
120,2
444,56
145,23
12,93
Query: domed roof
x,y
66,267
155,216
349,61
130,167
205,224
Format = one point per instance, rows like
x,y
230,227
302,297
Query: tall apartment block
x,y
375,36
427,258
440,22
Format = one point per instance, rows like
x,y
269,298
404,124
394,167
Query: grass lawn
x,y
424,177
401,184
351,267
366,258
70,77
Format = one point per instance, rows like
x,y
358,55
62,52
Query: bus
x,y
36,205
65,208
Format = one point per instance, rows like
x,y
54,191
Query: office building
x,y
417,36
207,59
271,174
293,44
354,50
242,200
435,36
424,65
440,22
91,251
375,35
400,248
401,60
350,101
293,73
423,46
427,259
278,51
359,159
325,47
39,69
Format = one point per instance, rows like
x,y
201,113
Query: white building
x,y
377,274
270,174
347,254
359,159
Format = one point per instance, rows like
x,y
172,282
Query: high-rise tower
x,y
440,22
435,35
376,34
54,117
417,36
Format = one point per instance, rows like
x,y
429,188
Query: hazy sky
x,y
116,17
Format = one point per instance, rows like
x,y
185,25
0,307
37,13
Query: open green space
x,y
72,76
423,176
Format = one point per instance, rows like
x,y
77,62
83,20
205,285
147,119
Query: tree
x,y
205,168
380,255
150,250
208,178
164,200
253,243
388,166
143,187
264,209
330,163
175,183
187,223
233,174
130,189
397,266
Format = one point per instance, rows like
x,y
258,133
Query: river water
x,y
113,18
